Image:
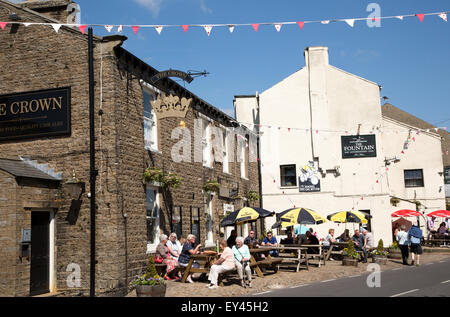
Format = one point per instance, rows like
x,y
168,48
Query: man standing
x,y
402,238
358,239
414,235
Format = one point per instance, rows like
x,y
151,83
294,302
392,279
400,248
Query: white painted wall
x,y
322,97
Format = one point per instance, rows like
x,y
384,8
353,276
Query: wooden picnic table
x,y
299,250
267,261
208,258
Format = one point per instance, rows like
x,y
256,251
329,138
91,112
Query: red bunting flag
x,y
185,27
82,28
3,24
255,27
420,16
403,152
377,181
414,139
301,24
135,29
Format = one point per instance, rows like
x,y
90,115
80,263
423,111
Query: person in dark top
x,y
289,239
345,237
251,241
302,239
358,239
312,239
185,256
231,241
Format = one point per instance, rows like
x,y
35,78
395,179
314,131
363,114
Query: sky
x,y
409,59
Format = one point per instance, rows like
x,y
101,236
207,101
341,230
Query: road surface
x,y
431,279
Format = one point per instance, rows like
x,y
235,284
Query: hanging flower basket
x,y
211,187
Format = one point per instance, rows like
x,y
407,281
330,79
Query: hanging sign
x,y
171,73
309,180
43,113
358,146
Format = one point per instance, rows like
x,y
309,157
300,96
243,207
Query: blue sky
x,y
408,58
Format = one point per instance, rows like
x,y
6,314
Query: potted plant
x,y
379,255
150,284
394,251
211,186
349,255
156,175
252,196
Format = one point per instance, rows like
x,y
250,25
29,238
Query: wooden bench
x,y
224,275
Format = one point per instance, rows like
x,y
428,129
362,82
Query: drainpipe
x,y
259,157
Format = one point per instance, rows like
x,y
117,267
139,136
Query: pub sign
x,y
43,113
357,146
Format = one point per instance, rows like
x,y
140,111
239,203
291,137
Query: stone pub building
x,y
141,122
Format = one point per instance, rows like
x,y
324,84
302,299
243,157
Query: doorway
x,y
40,253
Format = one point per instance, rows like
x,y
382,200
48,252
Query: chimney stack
x,y
55,9
316,56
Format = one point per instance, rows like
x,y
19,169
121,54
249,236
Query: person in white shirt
x,y
242,261
403,241
174,246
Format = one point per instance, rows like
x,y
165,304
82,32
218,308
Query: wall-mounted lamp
x,y
74,187
388,161
182,124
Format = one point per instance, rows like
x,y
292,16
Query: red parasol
x,y
439,213
406,213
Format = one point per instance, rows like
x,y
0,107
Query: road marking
x,y
328,280
397,269
445,282
262,293
355,275
429,263
411,291
299,286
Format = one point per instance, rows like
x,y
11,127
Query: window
x,y
195,221
176,221
288,175
206,144
413,178
150,121
152,217
209,239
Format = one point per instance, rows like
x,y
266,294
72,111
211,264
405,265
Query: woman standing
x,y
224,263
163,252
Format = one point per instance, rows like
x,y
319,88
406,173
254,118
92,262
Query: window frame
x,y
295,175
422,179
207,159
198,235
181,220
243,159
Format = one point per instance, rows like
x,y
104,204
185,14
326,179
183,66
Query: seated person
x,y
345,236
329,239
312,239
224,263
186,252
251,241
271,241
288,240
358,239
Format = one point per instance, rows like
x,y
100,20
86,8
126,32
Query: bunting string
x,y
231,26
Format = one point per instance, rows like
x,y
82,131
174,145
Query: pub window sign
x,y
358,146
36,114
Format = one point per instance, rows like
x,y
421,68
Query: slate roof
x,y
397,114
19,168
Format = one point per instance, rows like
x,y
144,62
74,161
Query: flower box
x,y
150,290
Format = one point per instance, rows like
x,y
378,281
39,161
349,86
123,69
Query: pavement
x,y
430,279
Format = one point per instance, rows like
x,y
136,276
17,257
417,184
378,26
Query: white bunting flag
x,y
208,29
119,29
159,29
109,28
399,17
27,24
325,22
436,129
278,27
350,22
231,28
443,16
56,27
